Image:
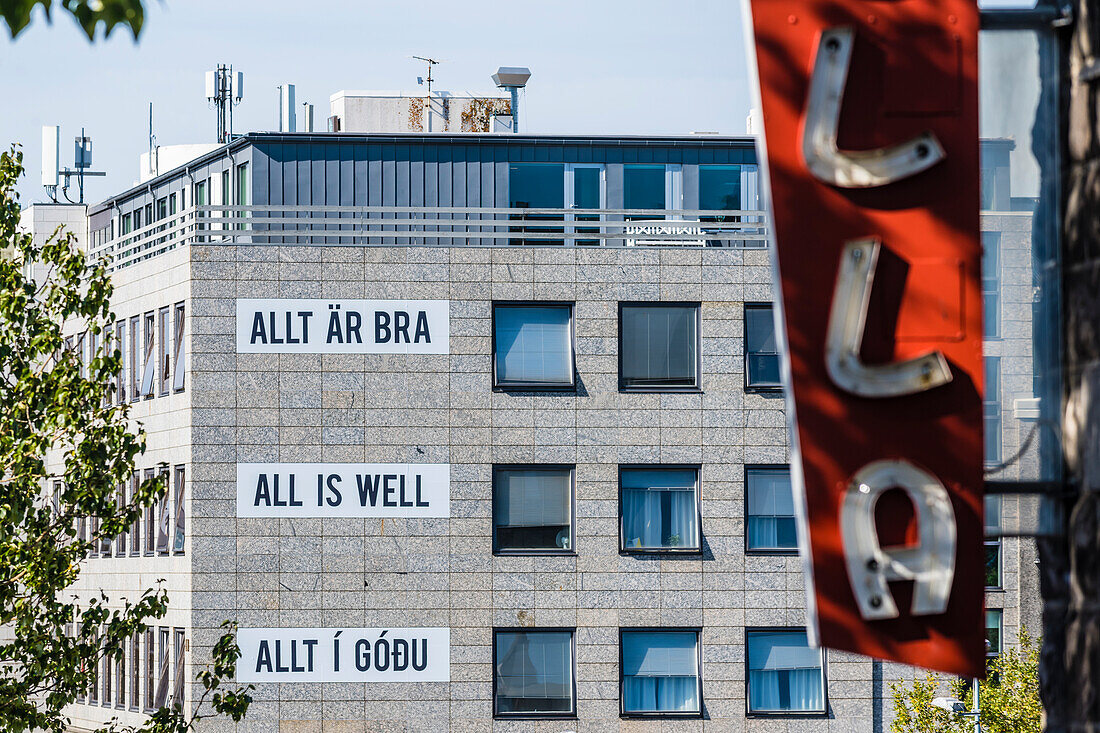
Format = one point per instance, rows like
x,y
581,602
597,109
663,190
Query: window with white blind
x,y
659,508
660,672
785,674
135,358
769,515
533,345
150,669
658,346
532,509
533,673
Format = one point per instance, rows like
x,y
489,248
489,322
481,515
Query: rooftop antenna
x,y
430,63
224,89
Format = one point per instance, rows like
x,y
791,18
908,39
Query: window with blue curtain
x,y
761,349
533,345
534,672
660,671
532,509
658,346
785,674
659,508
770,521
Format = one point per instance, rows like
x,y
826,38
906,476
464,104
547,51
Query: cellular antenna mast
x,y
224,90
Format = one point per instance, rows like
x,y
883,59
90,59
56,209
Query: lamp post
x,y
958,707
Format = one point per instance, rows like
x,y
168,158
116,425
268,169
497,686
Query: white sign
x,y
344,655
307,326
343,490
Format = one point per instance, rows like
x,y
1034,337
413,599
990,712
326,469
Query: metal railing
x,y
439,226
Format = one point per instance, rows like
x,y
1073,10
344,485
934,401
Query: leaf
x,y
89,14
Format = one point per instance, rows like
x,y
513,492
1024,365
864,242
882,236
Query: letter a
x,y
930,565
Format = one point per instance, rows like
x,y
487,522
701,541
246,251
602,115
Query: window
x,y
149,363
150,521
135,671
585,189
120,540
108,677
660,672
93,536
533,345
533,509
178,368
180,534
991,410
644,187
178,648
991,285
163,518
536,186
135,357
769,522
992,543
120,378
533,673
150,669
163,654
165,350
135,528
120,678
137,218
720,190
761,351
659,508
785,674
199,198
658,345
242,191
93,682
994,630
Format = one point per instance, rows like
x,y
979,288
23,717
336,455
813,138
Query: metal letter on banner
x,y
930,564
847,320
870,115
851,168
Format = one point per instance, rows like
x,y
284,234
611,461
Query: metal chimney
x,y
286,108
512,78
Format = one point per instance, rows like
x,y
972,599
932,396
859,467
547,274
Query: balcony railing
x,y
435,226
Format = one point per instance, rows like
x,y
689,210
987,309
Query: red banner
x,y
870,114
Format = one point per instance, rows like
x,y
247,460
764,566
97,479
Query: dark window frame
x,y
765,552
686,551
670,715
781,714
558,552
534,386
758,388
572,714
657,389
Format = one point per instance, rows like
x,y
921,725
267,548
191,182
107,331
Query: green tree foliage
x,y
89,14
1008,698
64,451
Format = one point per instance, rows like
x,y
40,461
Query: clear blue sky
x,y
624,66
